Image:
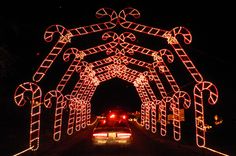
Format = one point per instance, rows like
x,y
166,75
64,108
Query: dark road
x,y
144,144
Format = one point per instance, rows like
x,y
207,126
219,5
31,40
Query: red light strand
x,y
71,119
163,67
171,37
199,108
165,102
71,69
89,97
146,105
176,111
50,58
120,54
78,114
154,115
142,105
158,83
137,27
35,100
101,13
65,37
58,111
152,104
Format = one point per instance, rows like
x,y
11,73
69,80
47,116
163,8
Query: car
x,y
113,130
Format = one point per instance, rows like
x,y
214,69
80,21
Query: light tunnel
x,y
124,61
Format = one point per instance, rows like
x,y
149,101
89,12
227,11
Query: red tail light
x,y
112,116
103,122
100,134
123,135
124,117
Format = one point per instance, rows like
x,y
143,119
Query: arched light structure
x,y
119,61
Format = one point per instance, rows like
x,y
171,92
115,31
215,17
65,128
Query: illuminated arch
x,y
119,62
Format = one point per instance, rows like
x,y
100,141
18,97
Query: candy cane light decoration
x,y
58,111
199,108
122,60
176,111
21,98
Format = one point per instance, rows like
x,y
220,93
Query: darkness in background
x,y
22,47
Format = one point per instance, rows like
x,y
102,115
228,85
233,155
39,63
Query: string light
x,y
119,55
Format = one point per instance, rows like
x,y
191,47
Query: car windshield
x,y
111,123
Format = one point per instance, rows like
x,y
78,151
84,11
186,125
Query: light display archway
x,y
119,61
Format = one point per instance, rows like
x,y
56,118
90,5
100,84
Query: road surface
x,y
144,144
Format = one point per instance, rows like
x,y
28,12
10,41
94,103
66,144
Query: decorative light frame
x,y
92,74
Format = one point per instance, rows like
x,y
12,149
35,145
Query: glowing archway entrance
x,y
122,58
115,94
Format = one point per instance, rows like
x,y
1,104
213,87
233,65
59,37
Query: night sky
x,y
22,47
